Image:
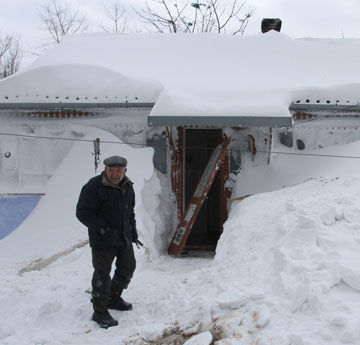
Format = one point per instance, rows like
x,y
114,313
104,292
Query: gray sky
x,y
300,18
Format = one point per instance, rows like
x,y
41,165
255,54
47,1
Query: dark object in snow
x,y
196,5
106,206
96,152
104,320
138,243
119,304
300,144
103,206
268,24
286,138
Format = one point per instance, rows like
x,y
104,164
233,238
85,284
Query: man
x,y
106,207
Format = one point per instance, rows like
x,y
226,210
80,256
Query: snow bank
x,y
299,248
285,272
53,227
184,74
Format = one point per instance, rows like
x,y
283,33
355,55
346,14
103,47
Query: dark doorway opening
x,y
199,145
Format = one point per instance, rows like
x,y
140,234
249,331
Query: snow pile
x,y
184,74
285,272
53,227
79,82
299,248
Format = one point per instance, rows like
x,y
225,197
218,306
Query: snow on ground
x,y
51,306
300,248
285,272
286,267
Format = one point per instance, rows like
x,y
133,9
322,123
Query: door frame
x,y
177,149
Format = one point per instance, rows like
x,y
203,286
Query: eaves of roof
x,y
221,121
325,107
171,120
72,106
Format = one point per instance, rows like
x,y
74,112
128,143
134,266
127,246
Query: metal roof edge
x,y
72,106
346,108
221,121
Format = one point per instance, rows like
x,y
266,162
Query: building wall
x,y
26,164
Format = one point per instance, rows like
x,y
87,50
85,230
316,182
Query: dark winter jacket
x,y
103,206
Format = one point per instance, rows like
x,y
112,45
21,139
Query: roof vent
x,y
268,24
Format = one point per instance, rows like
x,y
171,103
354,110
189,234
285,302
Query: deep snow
x,y
184,75
54,227
286,266
285,271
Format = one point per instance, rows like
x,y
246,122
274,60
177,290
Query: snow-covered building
x,y
183,95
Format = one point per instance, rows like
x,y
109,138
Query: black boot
x,y
105,320
119,304
101,314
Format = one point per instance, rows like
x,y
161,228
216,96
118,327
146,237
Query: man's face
x,y
115,174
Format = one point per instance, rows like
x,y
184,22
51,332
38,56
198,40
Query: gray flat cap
x,y
115,161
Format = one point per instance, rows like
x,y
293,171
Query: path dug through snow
x,y
173,300
285,273
51,306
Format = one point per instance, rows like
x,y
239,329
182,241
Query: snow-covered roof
x,y
192,79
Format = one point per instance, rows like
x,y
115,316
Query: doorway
x,y
199,145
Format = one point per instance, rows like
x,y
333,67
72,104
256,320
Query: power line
x,y
164,146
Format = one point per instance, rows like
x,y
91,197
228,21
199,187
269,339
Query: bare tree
x,y
60,19
116,16
193,17
10,55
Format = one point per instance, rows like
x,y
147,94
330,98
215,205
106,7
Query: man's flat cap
x,y
117,161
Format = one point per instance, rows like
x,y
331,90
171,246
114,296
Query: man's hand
x,y
103,231
138,243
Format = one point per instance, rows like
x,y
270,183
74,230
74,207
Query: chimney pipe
x,y
268,24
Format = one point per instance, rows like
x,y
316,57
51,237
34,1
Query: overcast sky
x,y
300,18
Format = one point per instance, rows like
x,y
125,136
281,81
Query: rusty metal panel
x,y
177,166
225,192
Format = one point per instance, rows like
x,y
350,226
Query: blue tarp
x,y
15,209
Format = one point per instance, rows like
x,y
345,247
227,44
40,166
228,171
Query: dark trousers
x,y
103,286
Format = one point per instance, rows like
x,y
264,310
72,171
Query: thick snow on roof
x,y
203,74
75,82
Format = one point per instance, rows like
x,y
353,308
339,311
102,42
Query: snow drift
x,y
53,227
202,74
285,273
